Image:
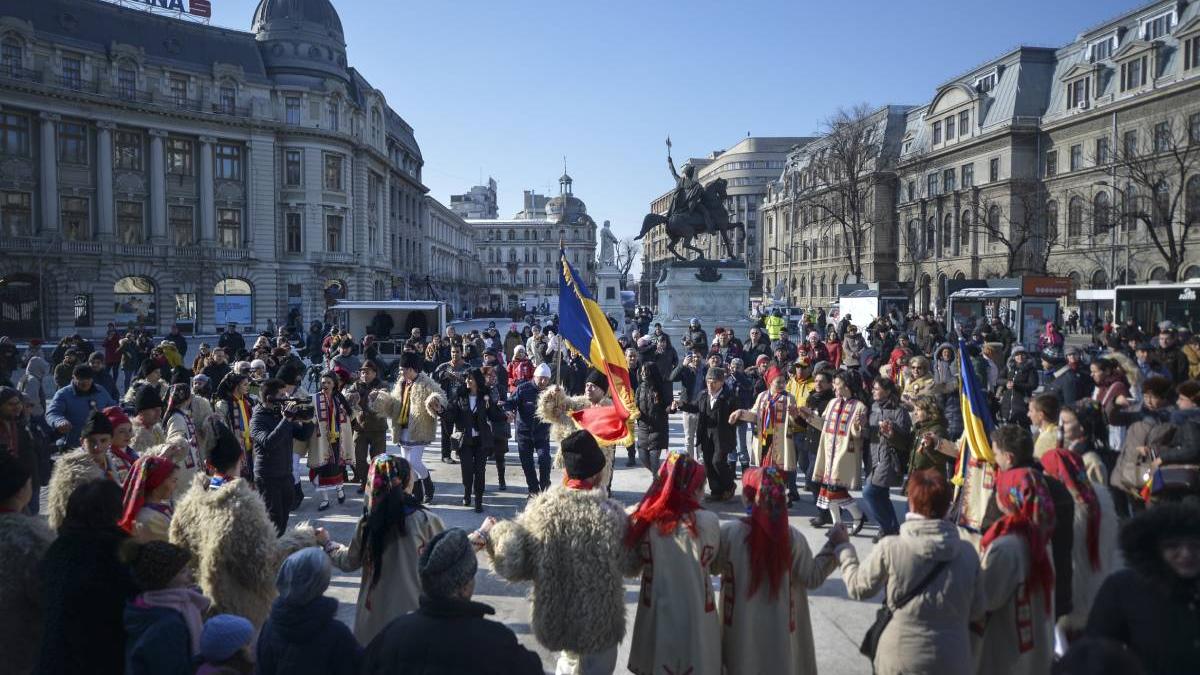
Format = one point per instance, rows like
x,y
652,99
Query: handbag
x,y
1176,479
884,615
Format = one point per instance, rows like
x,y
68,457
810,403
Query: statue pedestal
x,y
608,291
716,293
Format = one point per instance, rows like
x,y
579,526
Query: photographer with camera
x,y
277,422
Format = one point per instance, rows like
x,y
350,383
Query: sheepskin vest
x,y
422,418
70,471
569,544
23,542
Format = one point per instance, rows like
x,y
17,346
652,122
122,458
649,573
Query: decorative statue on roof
x,y
695,209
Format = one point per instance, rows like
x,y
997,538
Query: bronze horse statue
x,y
706,217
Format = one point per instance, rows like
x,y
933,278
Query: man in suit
x,y
715,432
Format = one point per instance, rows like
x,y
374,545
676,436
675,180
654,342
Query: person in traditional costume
x,y
1094,551
233,407
394,529
334,440
149,499
775,415
555,406
1017,575
370,428
147,413
182,437
413,406
564,543
766,570
76,468
671,544
839,454
120,456
96,439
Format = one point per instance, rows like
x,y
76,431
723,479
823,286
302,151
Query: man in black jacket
x,y
715,432
273,427
533,435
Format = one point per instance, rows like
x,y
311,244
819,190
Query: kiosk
x,y
1025,305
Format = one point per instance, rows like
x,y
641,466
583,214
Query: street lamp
x,y
787,256
1112,256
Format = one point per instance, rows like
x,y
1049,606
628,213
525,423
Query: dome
x,y
318,14
301,37
576,210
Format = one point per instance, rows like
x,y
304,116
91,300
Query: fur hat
x,y
223,636
597,379
155,563
411,360
447,564
13,475
582,457
97,423
543,370
146,398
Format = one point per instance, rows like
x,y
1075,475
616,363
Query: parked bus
x,y
1150,304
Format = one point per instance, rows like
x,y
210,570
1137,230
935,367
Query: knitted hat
x,y
447,564
582,457
411,360
13,475
6,394
223,636
146,398
597,379
303,576
97,423
116,415
543,370
155,563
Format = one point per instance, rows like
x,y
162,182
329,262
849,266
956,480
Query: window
x,y
293,168
1130,144
335,114
229,228
964,229
1162,137
131,227
948,232
185,310
127,150
126,82
912,190
72,143
1075,218
177,86
1192,206
931,185
229,161
993,224
83,310
937,133
994,170
1051,221
14,134
964,123
1101,213
16,214
75,218
930,235
1101,49
333,234
183,230
968,175
291,106
1130,206
1077,93
72,72
179,157
1191,53
228,100
1133,73
950,128
1162,204
1102,150
948,181
1076,157
292,233
11,55
333,172
1051,163
1194,128
986,83
1158,26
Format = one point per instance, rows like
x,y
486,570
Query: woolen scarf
x,y
1028,514
1068,468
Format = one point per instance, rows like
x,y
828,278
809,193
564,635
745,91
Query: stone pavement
x,y
838,622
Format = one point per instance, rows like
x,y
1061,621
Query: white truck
x,y
391,321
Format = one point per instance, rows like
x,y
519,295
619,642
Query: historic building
x,y
478,202
834,191
1060,161
519,255
747,168
455,273
157,171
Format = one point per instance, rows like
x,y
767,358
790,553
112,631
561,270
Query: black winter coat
x,y
272,437
1158,622
651,428
523,402
713,429
307,639
686,377
448,637
484,422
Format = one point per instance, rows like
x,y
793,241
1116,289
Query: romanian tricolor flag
x,y
586,329
977,417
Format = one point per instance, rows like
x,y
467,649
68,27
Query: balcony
x,y
333,258
231,110
10,72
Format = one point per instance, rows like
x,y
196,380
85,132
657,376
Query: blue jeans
x,y
743,450
537,480
878,503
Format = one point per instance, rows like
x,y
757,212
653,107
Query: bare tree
x,y
1023,222
627,252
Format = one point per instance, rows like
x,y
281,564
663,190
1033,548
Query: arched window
x,y
964,229
948,231
821,286
1075,218
1192,272
512,235
233,301
1158,274
526,277
803,286
1101,219
512,255
794,281
1162,204
993,224
1192,201
1129,222
135,302
1099,279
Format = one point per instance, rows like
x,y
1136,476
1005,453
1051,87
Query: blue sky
x,y
507,88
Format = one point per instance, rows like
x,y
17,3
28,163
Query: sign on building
x,y
197,9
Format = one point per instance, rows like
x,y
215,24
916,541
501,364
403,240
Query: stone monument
x,y
715,292
608,276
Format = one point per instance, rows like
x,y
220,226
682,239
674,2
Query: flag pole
x,y
562,256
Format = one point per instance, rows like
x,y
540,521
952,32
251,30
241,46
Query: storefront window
x,y
233,302
135,301
185,311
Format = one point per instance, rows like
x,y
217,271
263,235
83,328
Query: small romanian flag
x,y
585,327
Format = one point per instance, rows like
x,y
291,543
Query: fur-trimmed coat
x,y
144,437
554,407
570,544
235,551
23,542
424,400
70,471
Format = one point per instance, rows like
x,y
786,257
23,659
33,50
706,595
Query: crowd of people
x,y
165,544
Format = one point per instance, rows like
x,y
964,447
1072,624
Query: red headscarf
x,y
898,355
1029,514
147,474
1068,467
670,500
770,539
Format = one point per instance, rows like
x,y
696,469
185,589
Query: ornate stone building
x,y
455,272
158,171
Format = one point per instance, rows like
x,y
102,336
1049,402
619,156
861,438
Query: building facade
x,y
748,166
477,203
156,171
519,256
455,273
833,192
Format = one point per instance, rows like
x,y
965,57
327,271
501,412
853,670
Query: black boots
x,y
823,519
418,491
428,483
466,496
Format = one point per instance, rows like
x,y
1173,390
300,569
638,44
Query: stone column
x,y
48,177
104,181
158,188
208,214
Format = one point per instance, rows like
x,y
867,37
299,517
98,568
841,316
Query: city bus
x,y
1150,304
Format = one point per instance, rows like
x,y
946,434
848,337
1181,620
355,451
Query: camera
x,y
297,409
